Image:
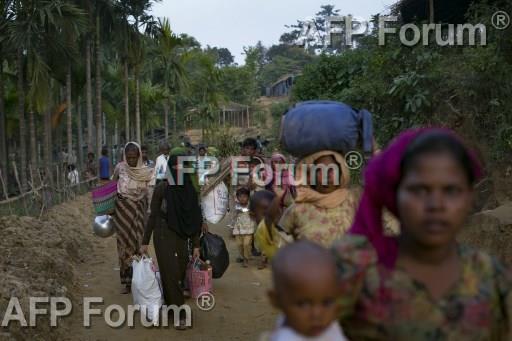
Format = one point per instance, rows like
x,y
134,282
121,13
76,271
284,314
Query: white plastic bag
x,y
146,288
215,204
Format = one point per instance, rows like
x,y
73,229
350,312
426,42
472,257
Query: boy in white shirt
x,y
161,161
306,292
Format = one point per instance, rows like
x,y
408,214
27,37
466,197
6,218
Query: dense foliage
x,y
466,88
78,75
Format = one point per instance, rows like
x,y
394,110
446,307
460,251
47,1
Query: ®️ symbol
x,y
205,301
501,20
354,160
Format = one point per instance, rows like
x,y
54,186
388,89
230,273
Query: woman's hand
x,y
196,253
204,228
274,211
143,250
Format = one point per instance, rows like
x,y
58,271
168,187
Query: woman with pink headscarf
x,y
281,180
422,284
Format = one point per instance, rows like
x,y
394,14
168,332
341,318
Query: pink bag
x,y
199,277
104,198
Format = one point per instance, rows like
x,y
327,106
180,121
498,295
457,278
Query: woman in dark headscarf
x,y
175,218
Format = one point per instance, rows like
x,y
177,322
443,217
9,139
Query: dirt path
x,y
241,312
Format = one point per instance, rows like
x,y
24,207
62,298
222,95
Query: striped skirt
x,y
129,218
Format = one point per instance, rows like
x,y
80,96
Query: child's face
x,y
260,210
434,201
248,151
277,164
243,199
327,185
309,301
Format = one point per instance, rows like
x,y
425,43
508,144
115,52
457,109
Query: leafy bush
x,y
465,88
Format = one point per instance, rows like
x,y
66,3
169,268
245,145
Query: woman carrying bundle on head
x,y
325,204
422,284
133,181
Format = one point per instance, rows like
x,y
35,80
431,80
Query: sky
x,y
238,23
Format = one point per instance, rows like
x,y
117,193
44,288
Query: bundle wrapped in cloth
x,y
313,126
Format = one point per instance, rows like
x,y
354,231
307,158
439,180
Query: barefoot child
x,y
305,290
244,226
260,203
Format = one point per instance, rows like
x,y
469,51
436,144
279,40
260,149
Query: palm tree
x,y
101,18
99,108
21,117
171,59
88,95
137,11
124,38
40,31
3,130
209,89
88,7
6,18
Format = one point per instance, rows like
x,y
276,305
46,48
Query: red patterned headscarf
x,y
382,177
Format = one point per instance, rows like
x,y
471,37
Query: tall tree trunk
x,y
21,112
88,96
69,115
99,143
137,108
48,137
431,9
80,132
3,129
104,132
166,118
126,102
116,133
175,120
33,144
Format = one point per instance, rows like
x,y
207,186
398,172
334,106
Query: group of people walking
x,y
342,268
349,276
146,207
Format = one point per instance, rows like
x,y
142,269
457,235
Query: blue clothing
x,y
104,168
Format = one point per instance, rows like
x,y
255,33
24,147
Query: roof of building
x,y
283,78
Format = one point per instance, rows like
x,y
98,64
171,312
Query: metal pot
x,y
103,226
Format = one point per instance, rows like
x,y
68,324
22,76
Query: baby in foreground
x,y
305,290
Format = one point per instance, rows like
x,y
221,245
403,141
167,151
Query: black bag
x,y
213,249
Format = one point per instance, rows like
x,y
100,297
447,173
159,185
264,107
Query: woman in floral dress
x,y
324,207
421,285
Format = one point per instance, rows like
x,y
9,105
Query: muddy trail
x,y
59,256
241,310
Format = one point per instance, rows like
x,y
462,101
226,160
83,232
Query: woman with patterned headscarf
x,y
133,181
422,284
325,205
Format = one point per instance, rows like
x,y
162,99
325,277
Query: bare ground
x,y
241,311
